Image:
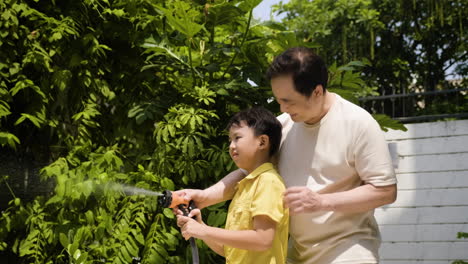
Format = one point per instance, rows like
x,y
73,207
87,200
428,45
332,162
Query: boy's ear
x,y
264,140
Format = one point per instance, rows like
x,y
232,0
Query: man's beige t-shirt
x,y
343,151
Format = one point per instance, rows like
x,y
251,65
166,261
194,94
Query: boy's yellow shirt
x,y
259,193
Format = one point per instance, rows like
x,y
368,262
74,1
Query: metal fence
x,y
421,106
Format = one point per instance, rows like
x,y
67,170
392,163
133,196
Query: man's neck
x,y
328,102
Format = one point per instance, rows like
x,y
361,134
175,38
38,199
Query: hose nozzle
x,y
171,200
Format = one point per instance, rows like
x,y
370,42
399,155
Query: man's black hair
x,y
263,122
306,68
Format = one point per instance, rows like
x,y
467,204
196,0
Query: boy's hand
x,y
196,214
189,227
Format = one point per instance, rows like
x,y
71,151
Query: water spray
x,y
131,190
167,199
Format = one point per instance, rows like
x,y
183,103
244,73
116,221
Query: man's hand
x,y
300,199
219,192
360,199
198,196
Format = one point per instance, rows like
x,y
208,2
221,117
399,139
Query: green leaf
x,y
167,184
37,121
82,258
133,251
118,12
89,217
23,84
77,254
181,18
138,237
8,139
63,240
386,122
55,36
127,258
54,199
168,213
3,246
223,13
248,5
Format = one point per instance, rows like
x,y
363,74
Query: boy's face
x,y
244,146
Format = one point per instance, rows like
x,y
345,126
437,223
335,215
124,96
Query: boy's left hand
x,y
190,227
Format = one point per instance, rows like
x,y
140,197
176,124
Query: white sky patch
x,y
263,10
252,83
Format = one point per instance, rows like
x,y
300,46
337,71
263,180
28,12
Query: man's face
x,y
299,107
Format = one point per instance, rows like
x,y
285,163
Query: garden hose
x,y
169,200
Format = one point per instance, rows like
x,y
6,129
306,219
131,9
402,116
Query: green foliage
x,y
347,81
461,235
127,92
411,46
123,92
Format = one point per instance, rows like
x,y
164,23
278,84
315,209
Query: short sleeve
x,y
268,198
372,156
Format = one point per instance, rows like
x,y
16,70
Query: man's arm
x,y
361,199
219,192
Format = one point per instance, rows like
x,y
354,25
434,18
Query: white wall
x,y
431,161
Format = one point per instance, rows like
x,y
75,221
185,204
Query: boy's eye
x,y
234,139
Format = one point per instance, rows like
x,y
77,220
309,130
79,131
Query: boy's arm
x,y
196,214
259,238
216,247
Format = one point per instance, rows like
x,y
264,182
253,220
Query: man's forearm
x,y
360,199
224,189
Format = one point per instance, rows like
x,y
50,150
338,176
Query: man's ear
x,y
318,91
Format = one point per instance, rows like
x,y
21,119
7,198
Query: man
x,y
335,164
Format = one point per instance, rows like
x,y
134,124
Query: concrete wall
x,y
431,161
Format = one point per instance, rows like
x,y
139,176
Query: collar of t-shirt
x,y
326,116
259,170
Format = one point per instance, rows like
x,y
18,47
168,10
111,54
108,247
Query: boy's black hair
x,y
263,122
306,68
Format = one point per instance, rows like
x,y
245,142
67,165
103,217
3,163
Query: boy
x,y
256,228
